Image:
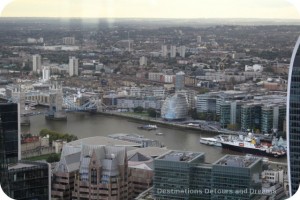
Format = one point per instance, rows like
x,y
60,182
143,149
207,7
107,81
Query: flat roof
x,y
238,161
149,151
25,164
105,141
180,156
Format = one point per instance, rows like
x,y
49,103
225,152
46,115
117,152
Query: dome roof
x,y
175,107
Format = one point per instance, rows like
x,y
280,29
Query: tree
x,y
53,158
53,135
152,112
194,113
232,127
138,109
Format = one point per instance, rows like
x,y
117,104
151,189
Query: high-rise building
x,y
199,39
293,118
19,179
179,81
88,169
29,180
232,174
73,66
173,171
230,114
46,73
36,63
173,51
185,175
69,40
251,116
164,50
272,116
143,61
9,137
104,170
182,51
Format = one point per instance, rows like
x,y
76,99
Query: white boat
x,y
252,145
211,141
148,127
159,134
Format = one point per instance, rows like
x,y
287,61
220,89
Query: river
x,y
87,125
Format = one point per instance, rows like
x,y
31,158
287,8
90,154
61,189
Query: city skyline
x,y
132,108
265,9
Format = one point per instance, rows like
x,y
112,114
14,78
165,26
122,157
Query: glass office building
x,y
29,181
236,177
175,108
173,175
293,120
8,141
21,180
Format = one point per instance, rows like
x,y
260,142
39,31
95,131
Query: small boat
x,y
148,127
211,141
32,108
159,134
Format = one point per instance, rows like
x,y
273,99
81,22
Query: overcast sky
x,y
280,9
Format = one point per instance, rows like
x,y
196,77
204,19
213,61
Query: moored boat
x,y
148,127
215,141
210,141
251,145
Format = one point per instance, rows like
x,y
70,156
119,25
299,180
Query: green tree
x,y
153,113
193,113
53,158
53,135
138,109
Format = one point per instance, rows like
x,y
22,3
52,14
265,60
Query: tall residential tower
x,y
36,63
293,120
73,66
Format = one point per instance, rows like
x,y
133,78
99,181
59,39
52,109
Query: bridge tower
x,y
55,103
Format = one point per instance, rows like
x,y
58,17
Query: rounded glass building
x,y
175,108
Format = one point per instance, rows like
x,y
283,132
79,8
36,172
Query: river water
x,y
87,125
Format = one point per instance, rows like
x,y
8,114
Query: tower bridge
x,y
54,98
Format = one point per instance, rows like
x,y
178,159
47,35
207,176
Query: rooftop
x,y
180,156
238,161
25,164
103,141
149,151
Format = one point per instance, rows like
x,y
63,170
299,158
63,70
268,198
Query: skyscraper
x,y
36,63
8,141
236,173
69,40
293,119
179,81
46,73
174,171
19,179
182,51
73,66
164,50
173,51
198,39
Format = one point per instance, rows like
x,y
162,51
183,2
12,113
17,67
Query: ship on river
x,y
253,145
148,127
213,141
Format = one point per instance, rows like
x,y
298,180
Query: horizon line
x,y
153,18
